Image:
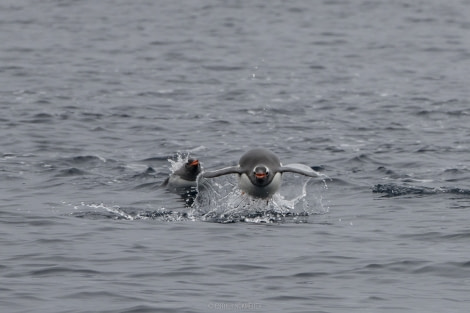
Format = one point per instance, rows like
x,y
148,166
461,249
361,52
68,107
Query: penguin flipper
x,y
222,171
299,169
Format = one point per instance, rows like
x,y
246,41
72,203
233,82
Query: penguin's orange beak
x,y
194,163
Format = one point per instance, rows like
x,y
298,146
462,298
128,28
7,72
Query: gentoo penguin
x,y
260,172
183,180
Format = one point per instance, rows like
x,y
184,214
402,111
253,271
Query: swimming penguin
x,y
183,180
260,172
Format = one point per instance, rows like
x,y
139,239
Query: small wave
x,y
86,159
73,171
74,165
393,190
55,270
148,173
447,269
223,68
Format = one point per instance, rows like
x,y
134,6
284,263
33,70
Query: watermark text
x,y
245,306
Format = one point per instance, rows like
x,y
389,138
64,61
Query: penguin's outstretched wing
x,y
222,171
299,169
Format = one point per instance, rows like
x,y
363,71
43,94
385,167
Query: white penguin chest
x,y
176,183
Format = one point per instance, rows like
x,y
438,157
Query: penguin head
x,y
192,168
261,175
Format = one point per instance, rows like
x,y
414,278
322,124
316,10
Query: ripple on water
x,y
394,190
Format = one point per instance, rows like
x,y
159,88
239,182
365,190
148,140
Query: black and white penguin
x,y
260,172
183,180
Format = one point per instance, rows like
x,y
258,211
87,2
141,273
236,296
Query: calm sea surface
x,y
97,96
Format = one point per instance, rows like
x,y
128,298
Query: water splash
x,y
222,201
103,211
181,159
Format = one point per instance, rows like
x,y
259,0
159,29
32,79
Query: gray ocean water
x,y
97,96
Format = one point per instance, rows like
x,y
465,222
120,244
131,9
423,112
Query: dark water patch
x,y
427,236
147,128
182,273
71,172
394,190
318,168
459,113
334,42
455,171
60,270
459,175
235,95
288,298
50,240
223,68
244,267
80,165
85,159
440,113
169,93
428,148
317,67
364,159
390,173
99,129
436,236
291,111
41,118
148,173
156,159
457,236
149,186
335,149
455,191
121,115
148,309
91,116
42,222
448,269
43,102
310,274
83,295
405,266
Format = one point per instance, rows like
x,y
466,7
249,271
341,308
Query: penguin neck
x,y
187,173
263,192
